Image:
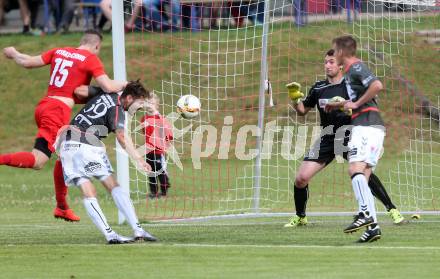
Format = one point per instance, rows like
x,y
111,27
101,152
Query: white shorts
x,y
83,161
366,145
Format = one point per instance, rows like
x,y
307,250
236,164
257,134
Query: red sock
x,y
60,186
18,160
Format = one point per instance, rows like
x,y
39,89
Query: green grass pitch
x,y
35,245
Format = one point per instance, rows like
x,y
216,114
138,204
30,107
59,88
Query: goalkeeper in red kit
x,y
70,67
158,134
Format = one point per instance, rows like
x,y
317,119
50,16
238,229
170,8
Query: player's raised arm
x,y
22,59
295,95
91,41
300,108
82,92
85,92
110,85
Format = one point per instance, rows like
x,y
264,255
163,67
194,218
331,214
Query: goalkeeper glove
x,y
295,94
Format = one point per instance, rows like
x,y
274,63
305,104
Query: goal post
x,y
240,156
264,82
119,72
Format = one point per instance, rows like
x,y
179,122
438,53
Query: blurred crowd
x,y
43,16
48,16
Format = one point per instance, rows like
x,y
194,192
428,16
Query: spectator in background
x,y
239,11
91,10
102,21
300,12
175,12
335,6
154,13
215,10
256,12
61,10
8,5
106,8
34,8
42,12
25,13
67,10
2,12
252,10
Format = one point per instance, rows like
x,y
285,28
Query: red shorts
x,y
50,115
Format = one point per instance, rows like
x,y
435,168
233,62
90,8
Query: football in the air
x,y
188,106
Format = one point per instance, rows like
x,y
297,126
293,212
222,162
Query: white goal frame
x,y
119,64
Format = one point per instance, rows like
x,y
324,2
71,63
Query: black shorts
x,y
323,150
158,166
42,145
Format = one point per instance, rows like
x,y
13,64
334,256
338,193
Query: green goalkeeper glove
x,y
295,94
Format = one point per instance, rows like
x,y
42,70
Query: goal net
x,y
242,153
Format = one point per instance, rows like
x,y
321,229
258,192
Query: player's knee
x,y
301,180
352,169
89,193
39,164
41,153
109,183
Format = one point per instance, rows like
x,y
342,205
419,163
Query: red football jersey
x,y
158,132
70,68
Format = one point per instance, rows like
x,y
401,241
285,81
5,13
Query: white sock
x,y
124,204
363,195
95,213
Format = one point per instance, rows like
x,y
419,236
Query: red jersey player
x,y
158,133
69,68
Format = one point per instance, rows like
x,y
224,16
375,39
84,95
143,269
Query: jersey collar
x,y
337,82
346,69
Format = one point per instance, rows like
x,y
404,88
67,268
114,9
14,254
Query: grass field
x,y
35,245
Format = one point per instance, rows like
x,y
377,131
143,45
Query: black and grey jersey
x,y
319,95
101,115
358,78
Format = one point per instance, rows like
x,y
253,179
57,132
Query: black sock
x,y
378,190
153,185
301,195
26,28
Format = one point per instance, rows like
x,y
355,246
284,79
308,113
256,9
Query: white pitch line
x,y
192,224
314,222
240,246
360,246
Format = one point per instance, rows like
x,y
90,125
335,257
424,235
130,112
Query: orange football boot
x,y
67,215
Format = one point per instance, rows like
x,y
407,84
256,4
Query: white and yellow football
x,y
188,106
339,99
